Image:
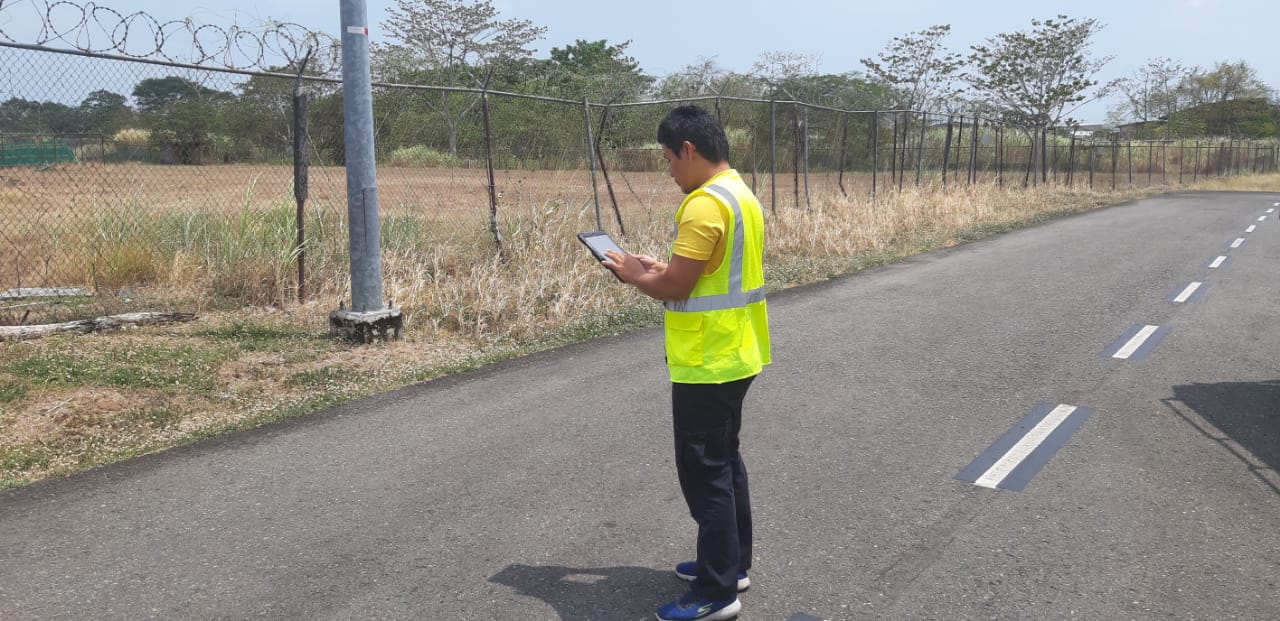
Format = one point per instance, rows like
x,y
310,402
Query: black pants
x,y
706,419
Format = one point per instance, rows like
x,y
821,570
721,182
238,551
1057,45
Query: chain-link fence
x,y
193,186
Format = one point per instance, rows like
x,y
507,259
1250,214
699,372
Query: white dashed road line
x,y
1128,349
1023,451
1237,243
1251,228
1187,293
1001,469
1218,262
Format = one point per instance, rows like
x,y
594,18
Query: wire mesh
x,y
146,185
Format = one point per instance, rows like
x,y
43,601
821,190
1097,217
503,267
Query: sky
x,y
666,35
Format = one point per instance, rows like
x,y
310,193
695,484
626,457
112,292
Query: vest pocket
x,y
684,339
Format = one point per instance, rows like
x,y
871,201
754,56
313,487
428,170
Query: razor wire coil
x,y
95,29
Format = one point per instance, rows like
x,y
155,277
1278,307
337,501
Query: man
x,y
717,341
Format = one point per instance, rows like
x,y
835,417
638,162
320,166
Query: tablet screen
x,y
598,243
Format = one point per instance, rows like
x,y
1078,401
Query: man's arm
x,y
661,281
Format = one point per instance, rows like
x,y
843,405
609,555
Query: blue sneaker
x,y
688,571
692,607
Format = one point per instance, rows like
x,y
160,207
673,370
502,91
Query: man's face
x,y
679,166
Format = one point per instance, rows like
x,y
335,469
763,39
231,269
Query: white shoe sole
x,y
743,583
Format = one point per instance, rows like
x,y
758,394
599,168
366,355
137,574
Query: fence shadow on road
x,y
1242,417
592,593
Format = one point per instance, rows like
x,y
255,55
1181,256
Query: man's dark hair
x,y
698,127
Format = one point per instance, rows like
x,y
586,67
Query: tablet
x,y
598,242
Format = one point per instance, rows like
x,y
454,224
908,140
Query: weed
x,y
12,390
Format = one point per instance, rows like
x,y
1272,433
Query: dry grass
x,y
70,403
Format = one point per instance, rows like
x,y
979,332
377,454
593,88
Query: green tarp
x,y
34,153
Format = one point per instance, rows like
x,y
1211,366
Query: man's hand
x,y
662,281
650,264
628,266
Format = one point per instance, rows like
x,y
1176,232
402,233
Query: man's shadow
x,y
1247,413
595,594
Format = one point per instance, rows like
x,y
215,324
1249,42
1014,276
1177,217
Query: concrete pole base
x,y
386,324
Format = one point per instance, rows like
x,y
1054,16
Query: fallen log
x,y
85,326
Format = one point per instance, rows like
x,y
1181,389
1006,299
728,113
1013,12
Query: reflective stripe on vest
x,y
736,297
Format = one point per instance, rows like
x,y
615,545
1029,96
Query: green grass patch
x,y
127,366
12,391
254,336
24,458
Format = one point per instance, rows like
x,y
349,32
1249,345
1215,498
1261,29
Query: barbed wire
x,y
95,29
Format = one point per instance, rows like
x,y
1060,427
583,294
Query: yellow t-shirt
x,y
700,232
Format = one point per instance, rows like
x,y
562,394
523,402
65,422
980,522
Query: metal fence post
x,y
1115,155
893,157
494,229
1164,163
805,137
1000,155
1195,172
591,162
1181,158
875,150
1151,164
773,155
300,166
1071,161
924,124
844,144
1092,162
795,153
946,154
1128,146
904,154
973,153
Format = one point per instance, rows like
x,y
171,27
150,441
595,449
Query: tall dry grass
x,y
544,282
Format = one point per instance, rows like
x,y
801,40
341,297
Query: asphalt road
x,y
543,488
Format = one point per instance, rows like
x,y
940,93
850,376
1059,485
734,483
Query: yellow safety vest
x,y
721,333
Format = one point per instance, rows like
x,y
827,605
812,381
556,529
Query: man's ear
x,y
687,148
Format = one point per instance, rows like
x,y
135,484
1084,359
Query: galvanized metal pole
x,y
362,183
367,317
366,277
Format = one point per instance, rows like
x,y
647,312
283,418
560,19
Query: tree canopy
x,y
1036,75
918,68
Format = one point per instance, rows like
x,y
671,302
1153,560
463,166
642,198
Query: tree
x,y
24,116
705,77
1034,76
1151,93
1250,117
105,112
780,70
154,94
596,70
918,68
182,116
1227,81
451,43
